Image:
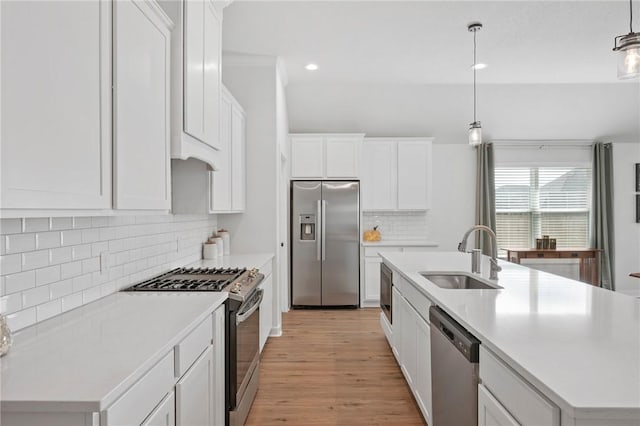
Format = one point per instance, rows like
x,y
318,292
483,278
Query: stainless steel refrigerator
x,y
325,243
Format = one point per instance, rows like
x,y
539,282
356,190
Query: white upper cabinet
x,y
379,175
414,175
396,174
55,105
142,41
325,156
196,79
228,181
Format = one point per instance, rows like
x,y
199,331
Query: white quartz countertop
x,y
578,344
254,260
400,243
84,359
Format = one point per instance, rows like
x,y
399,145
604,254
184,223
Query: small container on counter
x,y
225,241
210,250
220,243
5,336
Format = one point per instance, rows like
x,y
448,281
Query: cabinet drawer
x,y
525,404
541,255
417,300
192,346
373,251
141,399
576,254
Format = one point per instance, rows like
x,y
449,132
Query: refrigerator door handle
x,y
319,224
324,230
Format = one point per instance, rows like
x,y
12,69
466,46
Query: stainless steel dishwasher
x,y
454,371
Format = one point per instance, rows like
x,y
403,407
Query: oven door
x,y
385,291
247,342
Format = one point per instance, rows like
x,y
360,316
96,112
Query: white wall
x,y
52,265
627,231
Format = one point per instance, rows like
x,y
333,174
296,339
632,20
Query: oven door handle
x,y
247,313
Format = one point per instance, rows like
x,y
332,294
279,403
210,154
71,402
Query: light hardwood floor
x,y
332,367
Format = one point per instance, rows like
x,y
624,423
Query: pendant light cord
x,y
474,76
631,16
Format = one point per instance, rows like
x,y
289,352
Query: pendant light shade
x,y
475,129
628,48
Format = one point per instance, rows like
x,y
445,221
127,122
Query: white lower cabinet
x,y
491,412
412,346
164,414
195,393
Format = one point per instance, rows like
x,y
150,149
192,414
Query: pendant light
x,y
475,129
628,48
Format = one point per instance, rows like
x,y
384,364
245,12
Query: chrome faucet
x,y
495,268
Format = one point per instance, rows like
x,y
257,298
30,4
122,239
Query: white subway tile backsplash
x,y
19,282
35,224
49,309
81,252
71,301
71,238
397,225
10,303
35,296
21,319
47,275
35,259
99,248
91,265
90,235
10,264
52,265
60,223
99,221
46,240
91,294
10,226
60,289
71,269
81,222
18,243
60,255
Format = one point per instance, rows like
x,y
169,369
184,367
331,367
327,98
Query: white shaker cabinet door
x,y
221,178
164,414
202,76
141,98
55,104
195,393
491,412
414,175
307,157
342,157
371,280
423,367
238,160
379,175
266,310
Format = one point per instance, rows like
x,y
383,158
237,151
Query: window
x,y
536,201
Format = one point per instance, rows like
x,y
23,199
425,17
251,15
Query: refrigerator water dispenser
x,y
307,227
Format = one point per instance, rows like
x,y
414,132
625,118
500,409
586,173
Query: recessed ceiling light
x,y
311,67
479,66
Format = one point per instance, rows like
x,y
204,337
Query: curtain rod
x,y
544,142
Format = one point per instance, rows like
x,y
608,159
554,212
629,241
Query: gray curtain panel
x,y
485,195
602,211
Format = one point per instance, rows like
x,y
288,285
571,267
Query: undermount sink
x,y
458,281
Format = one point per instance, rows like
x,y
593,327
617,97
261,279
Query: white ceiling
x,y
427,42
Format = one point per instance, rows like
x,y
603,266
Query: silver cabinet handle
x,y
319,224
240,318
324,230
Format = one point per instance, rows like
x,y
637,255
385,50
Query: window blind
x,y
536,201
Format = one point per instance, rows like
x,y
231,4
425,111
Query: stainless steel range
x,y
242,331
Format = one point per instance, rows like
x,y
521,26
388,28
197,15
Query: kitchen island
x,y
576,345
